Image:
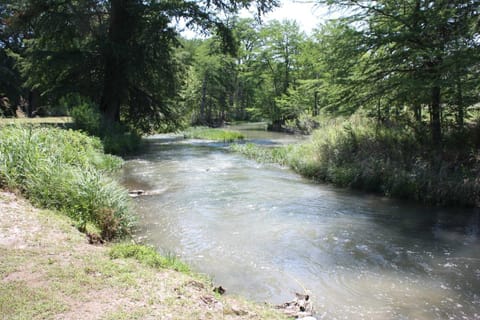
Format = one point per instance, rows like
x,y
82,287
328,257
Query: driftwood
x,y
139,192
299,307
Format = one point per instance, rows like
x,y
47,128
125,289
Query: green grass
x,y
18,299
394,161
65,170
148,256
55,274
212,134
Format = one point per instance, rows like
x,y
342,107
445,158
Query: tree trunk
x,y
461,111
33,103
436,125
115,86
417,109
203,102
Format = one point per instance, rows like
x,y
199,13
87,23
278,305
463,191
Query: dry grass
x,y
49,271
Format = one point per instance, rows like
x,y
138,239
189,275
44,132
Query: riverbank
x,y
395,161
49,271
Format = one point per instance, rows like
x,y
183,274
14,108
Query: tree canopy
x,y
410,59
118,53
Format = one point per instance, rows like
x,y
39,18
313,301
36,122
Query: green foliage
x,y
85,115
116,138
119,54
67,171
147,256
359,153
212,134
263,154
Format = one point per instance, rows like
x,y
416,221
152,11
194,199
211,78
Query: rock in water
x,y
135,193
300,307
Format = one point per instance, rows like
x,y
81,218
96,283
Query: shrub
x,y
86,117
117,138
65,170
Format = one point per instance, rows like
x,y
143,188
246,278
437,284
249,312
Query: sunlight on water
x,y
264,232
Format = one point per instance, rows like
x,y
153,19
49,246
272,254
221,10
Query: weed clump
x,y
65,170
147,256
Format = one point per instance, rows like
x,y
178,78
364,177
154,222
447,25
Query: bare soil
x,y
49,271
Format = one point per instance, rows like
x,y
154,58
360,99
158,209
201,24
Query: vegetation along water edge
x,y
49,270
392,160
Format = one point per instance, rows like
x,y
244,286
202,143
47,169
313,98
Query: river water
x,y
264,232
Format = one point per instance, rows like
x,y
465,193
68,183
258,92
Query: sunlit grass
x,y
362,154
65,170
212,134
148,256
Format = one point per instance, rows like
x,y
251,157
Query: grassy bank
x,y
48,271
212,134
393,161
67,171
37,120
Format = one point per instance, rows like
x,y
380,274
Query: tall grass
x,y
360,154
65,170
212,134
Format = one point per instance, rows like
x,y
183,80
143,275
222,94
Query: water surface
x,y
264,232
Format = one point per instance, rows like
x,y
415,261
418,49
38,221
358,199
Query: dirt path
x,y
49,271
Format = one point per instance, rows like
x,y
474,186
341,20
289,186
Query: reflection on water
x,y
264,232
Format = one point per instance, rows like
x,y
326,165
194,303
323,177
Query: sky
x,y
307,14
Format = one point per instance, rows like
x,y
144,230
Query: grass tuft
x,y
148,256
65,170
212,134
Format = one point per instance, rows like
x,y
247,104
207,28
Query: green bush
x,y
65,170
117,138
86,117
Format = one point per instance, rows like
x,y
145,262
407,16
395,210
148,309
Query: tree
x,y
210,86
416,50
10,80
119,53
277,54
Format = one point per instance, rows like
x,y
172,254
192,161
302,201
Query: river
x,y
264,232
